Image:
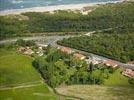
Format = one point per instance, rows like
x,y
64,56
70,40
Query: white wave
x,y
48,3
22,6
59,0
16,1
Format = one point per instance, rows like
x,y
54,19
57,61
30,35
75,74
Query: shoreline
x,y
54,8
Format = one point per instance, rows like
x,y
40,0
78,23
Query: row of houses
x,y
29,50
26,50
83,57
108,63
75,55
127,72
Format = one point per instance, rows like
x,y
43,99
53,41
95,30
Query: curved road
x,y
45,40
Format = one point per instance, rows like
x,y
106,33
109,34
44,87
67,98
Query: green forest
x,y
118,15
118,46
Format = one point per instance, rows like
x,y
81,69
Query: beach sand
x,y
51,8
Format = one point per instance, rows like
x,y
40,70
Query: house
x,y
79,56
28,51
110,63
42,45
95,62
40,48
128,72
40,51
66,50
131,62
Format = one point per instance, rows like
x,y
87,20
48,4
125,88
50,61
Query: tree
x,y
20,42
91,67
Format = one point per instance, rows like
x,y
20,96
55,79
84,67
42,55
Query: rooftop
x,y
110,63
130,62
66,50
79,56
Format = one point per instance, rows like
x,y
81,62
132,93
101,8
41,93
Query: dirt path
x,y
23,85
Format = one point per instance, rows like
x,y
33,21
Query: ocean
x,y
20,4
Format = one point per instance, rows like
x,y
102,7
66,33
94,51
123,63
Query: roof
x,y
110,63
128,72
66,50
96,62
42,45
28,52
79,56
131,62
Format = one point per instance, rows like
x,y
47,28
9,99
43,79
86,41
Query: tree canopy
x,y
58,68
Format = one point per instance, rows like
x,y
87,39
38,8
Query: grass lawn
x,y
117,79
17,70
39,92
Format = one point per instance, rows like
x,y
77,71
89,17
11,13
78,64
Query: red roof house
x,y
79,56
110,63
66,50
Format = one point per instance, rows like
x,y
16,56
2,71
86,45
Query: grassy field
x,y
117,79
95,92
16,69
19,80
39,92
115,88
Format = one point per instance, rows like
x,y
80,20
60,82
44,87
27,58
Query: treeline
x,y
17,44
112,45
103,17
58,68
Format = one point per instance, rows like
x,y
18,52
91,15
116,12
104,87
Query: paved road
x,y
48,39
97,57
94,56
37,38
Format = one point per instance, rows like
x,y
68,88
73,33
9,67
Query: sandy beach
x,y
51,8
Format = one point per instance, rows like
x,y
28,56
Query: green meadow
x,y
19,80
98,92
39,92
117,79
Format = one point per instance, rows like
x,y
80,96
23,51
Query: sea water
x,y
20,4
